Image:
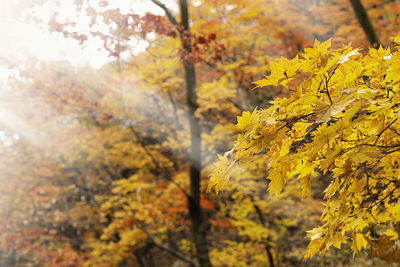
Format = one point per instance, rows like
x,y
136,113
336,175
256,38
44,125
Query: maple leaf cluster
x,y
342,120
100,171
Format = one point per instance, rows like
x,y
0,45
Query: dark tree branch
x,y
167,249
184,14
263,222
365,22
163,170
384,129
168,13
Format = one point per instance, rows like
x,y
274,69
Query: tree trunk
x,y
266,245
195,210
365,22
199,228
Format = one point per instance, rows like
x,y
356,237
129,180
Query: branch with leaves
x,y
350,131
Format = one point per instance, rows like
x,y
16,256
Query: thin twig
x,y
169,14
167,249
384,129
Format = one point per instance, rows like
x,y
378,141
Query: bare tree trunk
x,y
195,210
199,226
365,22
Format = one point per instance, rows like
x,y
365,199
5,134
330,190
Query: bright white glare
x,y
197,3
21,40
20,128
8,140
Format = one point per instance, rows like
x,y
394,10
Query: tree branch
x,y
168,13
163,170
365,22
167,249
263,222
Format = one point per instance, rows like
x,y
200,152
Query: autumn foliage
x,y
232,136
341,121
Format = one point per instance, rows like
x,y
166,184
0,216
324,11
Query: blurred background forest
x,y
105,152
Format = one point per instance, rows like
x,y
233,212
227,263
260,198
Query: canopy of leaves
x,y
341,120
95,166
